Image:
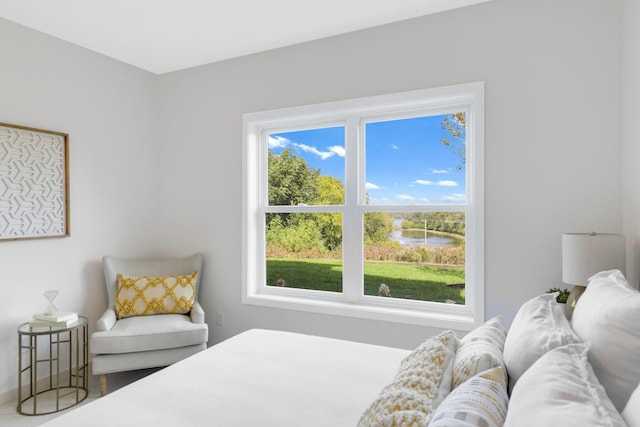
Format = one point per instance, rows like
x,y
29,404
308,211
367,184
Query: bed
x,y
546,371
254,378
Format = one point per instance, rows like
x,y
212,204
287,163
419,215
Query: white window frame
x,y
354,113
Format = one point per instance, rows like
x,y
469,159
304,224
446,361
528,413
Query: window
x,y
370,207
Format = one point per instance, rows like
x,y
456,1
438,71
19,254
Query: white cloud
x,y
456,198
394,146
333,150
447,183
337,149
405,198
278,142
313,150
370,186
423,182
437,171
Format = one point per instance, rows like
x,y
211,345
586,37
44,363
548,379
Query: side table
x,y
62,353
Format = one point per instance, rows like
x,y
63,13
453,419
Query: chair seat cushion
x,y
143,333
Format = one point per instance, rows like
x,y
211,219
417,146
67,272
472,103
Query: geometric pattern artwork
x,y
34,200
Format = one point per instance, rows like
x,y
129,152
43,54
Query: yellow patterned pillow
x,y
141,296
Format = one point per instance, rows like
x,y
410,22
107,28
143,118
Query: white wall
x,y
553,141
108,110
631,134
553,150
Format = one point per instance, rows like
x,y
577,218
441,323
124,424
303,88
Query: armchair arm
x,y
197,313
107,320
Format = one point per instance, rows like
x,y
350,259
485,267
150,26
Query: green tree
x,y
295,237
330,192
377,226
291,180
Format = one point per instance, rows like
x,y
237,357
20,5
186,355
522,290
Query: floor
x,y
9,415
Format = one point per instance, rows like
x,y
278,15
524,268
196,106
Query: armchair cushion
x,y
144,295
143,333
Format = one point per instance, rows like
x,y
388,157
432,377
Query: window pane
x,y
416,161
306,167
417,263
304,250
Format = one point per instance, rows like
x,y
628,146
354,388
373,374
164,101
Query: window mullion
x,y
352,227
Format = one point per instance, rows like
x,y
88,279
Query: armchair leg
x,y
103,384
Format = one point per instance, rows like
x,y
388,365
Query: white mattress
x,y
257,378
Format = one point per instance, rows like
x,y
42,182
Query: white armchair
x,y
140,342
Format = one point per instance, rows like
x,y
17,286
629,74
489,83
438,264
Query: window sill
x,y
441,316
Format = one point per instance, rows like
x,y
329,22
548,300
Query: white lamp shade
x,y
585,254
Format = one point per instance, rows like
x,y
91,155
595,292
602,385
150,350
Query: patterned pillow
x,y
479,350
421,382
480,401
141,296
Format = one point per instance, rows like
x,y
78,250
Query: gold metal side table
x,y
62,353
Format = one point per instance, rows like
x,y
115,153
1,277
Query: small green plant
x,y
562,296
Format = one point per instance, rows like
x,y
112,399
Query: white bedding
x,y
257,378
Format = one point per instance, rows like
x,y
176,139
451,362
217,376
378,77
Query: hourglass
x,y
50,296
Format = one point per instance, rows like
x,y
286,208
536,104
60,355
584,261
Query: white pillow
x,y
561,389
479,401
631,413
422,381
539,326
479,350
608,316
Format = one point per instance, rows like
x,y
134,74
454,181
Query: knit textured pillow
x,y
479,350
141,296
422,381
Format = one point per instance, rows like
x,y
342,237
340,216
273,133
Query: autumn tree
x,y
455,125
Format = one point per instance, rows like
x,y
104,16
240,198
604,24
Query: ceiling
x,y
168,35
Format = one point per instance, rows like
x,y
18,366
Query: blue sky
x,y
405,161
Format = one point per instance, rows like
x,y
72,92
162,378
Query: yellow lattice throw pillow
x,y
141,296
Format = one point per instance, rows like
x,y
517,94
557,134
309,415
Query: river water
x,y
415,238
432,241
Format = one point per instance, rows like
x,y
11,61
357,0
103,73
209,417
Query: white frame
x,y
354,113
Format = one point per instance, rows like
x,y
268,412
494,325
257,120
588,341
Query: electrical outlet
x,y
219,318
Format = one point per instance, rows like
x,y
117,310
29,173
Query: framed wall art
x,y
34,183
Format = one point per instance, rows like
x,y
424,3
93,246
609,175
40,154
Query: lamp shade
x,y
585,254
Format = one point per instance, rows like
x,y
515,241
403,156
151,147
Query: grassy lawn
x,y
404,280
